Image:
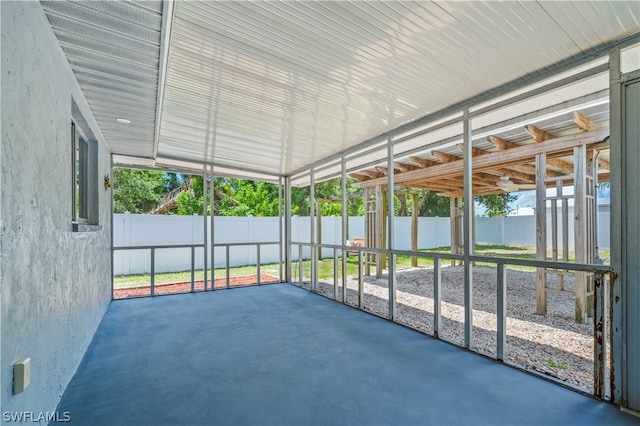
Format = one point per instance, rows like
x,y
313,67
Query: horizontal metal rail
x,y
192,247
586,267
162,246
268,243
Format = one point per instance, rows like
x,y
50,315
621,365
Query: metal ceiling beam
x,y
168,11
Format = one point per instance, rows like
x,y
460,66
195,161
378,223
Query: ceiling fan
x,y
507,185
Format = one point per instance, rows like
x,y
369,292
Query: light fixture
x,y
123,120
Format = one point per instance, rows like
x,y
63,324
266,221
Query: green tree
x,y
432,205
250,198
188,204
137,191
497,204
329,190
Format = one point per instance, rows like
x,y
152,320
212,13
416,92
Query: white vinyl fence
x,y
154,230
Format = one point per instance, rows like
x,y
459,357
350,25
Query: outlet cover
x,y
21,375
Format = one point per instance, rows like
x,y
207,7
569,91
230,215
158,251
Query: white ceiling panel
x,y
274,87
114,51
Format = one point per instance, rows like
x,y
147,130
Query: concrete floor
x,y
279,355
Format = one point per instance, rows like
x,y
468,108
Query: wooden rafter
x,y
422,162
444,157
501,144
604,164
507,158
371,173
560,164
584,123
359,176
524,177
403,167
539,135
383,170
529,169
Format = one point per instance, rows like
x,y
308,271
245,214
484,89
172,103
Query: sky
x,y
526,201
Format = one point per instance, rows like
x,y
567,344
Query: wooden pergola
x,y
543,161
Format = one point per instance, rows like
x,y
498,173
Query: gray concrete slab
x,y
279,355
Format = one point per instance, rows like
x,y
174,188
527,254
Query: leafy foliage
x,y
189,204
432,205
497,204
138,191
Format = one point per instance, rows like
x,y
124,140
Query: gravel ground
x,y
554,344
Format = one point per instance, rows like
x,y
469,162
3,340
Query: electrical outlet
x,y
21,375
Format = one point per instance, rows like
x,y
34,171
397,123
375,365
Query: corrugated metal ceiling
x,y
272,87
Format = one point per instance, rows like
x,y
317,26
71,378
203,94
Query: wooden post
x,y
580,231
414,228
541,233
379,229
455,213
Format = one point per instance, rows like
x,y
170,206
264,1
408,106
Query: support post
x,y
212,229
319,227
258,263
468,229
580,231
345,226
335,274
280,230
437,299
620,190
541,233
390,230
379,229
414,228
153,271
193,268
360,282
287,230
312,230
204,218
501,313
227,266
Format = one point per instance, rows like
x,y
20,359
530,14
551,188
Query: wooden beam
x,y
474,151
500,143
359,176
539,135
372,174
422,162
604,164
529,169
507,158
503,171
525,177
444,157
404,167
584,123
414,228
560,164
383,170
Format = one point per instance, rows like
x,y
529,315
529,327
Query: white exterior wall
x,y
55,284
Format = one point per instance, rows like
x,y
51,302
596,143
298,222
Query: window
x,y
84,178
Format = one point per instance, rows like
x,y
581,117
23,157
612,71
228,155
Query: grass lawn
x,y
325,266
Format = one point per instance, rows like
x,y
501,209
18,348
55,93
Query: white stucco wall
x,y
55,284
